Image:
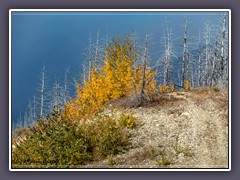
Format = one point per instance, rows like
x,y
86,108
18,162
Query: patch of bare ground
x,y
184,129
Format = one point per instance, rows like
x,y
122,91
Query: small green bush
x,y
111,161
128,120
107,137
164,159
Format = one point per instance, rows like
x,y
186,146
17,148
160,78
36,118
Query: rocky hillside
x,y
178,130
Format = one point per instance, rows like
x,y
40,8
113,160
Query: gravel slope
x,y
186,129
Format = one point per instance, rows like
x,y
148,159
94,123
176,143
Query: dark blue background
x,y
59,40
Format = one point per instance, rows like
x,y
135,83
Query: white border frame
x,y
122,10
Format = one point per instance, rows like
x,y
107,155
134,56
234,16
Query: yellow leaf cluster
x,y
129,123
187,85
163,89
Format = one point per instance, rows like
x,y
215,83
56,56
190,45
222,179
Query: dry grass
x,y
200,95
165,100
155,100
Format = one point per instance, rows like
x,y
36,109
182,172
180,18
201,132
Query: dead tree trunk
x,y
144,66
58,95
190,75
213,69
208,57
96,55
34,110
185,52
200,66
168,49
222,59
89,59
42,91
188,68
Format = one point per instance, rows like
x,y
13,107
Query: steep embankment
x,y
179,130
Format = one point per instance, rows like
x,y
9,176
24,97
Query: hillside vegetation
x,y
120,117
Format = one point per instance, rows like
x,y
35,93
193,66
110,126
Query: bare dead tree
x,y
190,70
185,52
164,65
188,67
134,55
223,32
200,63
214,62
97,52
65,97
88,62
208,53
89,58
34,109
168,52
144,66
58,96
223,48
42,92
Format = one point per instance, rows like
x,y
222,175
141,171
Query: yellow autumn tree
x,y
117,76
118,69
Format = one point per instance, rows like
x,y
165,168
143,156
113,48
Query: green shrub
x,y
57,142
107,137
111,161
53,142
160,156
164,159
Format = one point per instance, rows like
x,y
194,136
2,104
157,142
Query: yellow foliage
x,y
163,89
117,76
187,85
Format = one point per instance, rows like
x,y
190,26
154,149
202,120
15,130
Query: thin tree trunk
x,y
208,51
89,58
168,48
145,54
34,110
223,32
214,63
96,56
199,60
185,52
42,91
